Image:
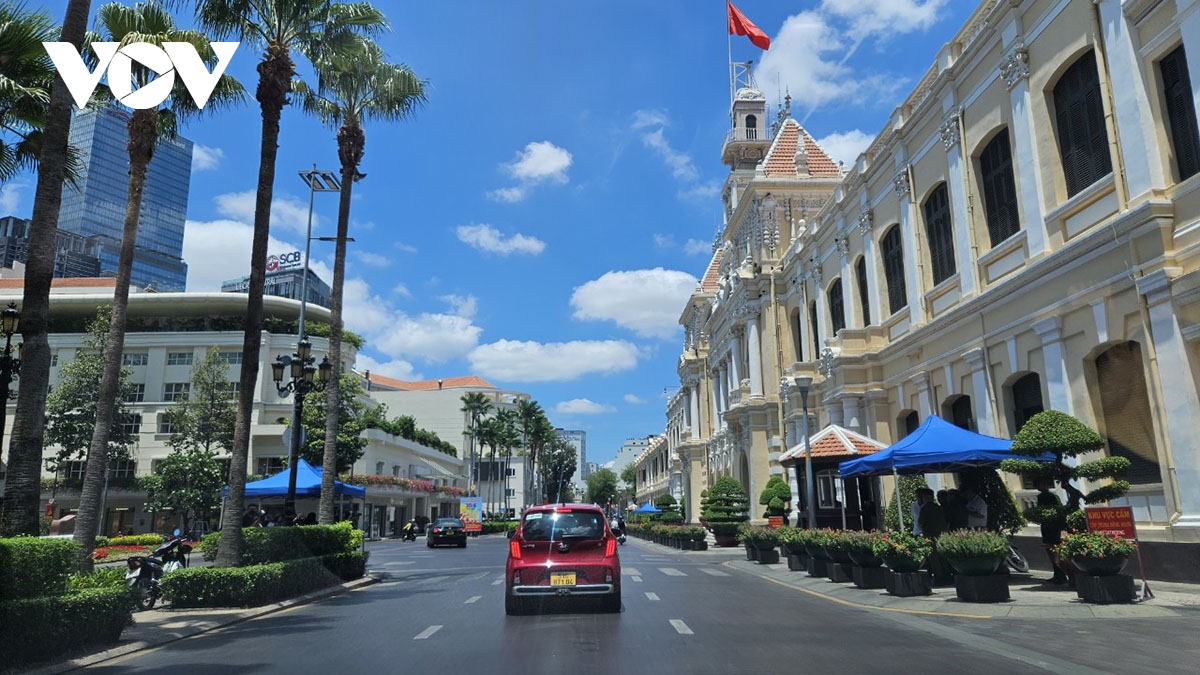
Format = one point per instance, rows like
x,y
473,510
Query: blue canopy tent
x,y
647,508
936,446
308,484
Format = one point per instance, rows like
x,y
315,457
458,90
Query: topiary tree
x,y
1064,436
724,506
669,507
908,486
775,496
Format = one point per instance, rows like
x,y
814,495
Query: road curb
x,y
199,626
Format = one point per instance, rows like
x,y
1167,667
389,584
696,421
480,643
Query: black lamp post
x,y
300,381
10,366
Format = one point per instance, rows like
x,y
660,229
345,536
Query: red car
x,y
563,552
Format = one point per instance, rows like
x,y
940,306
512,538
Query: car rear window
x,y
448,522
559,525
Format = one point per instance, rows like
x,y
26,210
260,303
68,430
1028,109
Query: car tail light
x,y
514,549
562,510
610,547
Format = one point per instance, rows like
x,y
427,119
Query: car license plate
x,y
562,579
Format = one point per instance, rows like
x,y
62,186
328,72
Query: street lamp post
x,y
810,502
10,366
300,381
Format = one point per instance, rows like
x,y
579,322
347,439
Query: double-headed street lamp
x,y
300,381
10,366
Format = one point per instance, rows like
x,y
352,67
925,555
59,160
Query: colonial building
x,y
1020,236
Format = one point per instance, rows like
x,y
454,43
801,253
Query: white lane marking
x,y
715,573
681,627
481,575
498,581
630,570
434,580
472,599
652,596
672,572
433,629
636,578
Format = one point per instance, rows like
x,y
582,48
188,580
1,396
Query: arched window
x,y
837,307
911,423
751,127
1079,114
999,189
961,414
797,334
864,298
1027,400
893,270
1128,422
816,333
1181,112
940,234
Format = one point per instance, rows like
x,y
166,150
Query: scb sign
x,y
117,61
285,261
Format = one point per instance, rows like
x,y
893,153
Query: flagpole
x,y
729,47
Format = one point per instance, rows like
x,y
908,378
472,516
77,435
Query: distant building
x,y
285,283
74,256
578,439
95,209
628,454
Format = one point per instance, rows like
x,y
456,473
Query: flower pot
x,y
700,545
725,540
981,588
795,548
797,563
817,567
815,551
838,555
840,573
908,584
870,577
902,564
975,567
865,559
1101,567
751,552
768,556
1105,590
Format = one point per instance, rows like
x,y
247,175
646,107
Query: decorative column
x,y
1025,149
850,301
715,386
1057,382
866,224
963,238
908,236
735,356
1180,399
818,278
694,407
985,420
1137,124
754,354
851,414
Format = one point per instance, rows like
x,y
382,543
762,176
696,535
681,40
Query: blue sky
x,y
542,220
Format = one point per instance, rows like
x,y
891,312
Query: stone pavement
x,y
1031,596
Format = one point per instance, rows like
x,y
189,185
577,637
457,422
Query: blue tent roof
x,y
308,484
936,446
647,508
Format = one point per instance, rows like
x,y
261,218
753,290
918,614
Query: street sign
x,y
1116,520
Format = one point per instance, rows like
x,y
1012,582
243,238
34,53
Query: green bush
x,y
34,629
775,495
31,567
101,577
209,545
256,585
972,544
725,504
274,544
347,566
136,540
908,496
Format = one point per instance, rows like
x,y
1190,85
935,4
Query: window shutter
x,y
1128,424
893,268
837,306
999,189
864,298
1181,112
816,334
1079,114
940,234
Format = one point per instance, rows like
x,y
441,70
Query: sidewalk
x,y
1031,597
159,626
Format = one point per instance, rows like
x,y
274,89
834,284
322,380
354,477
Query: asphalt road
x,y
441,611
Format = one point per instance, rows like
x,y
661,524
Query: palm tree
x,y
314,28
355,86
528,413
541,435
506,429
476,405
145,22
22,491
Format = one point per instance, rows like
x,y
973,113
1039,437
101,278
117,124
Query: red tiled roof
x,y
781,159
708,283
835,441
426,385
74,282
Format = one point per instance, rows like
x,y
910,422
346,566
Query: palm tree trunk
x,y
87,524
350,151
23,490
274,82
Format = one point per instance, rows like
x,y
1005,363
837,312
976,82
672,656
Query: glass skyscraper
x,y
96,209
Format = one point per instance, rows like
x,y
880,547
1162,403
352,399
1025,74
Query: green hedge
x,y
101,577
275,544
136,540
261,584
494,526
33,629
31,567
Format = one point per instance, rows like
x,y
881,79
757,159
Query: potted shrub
x,y
775,497
724,508
763,542
904,553
836,545
792,541
1100,557
868,569
975,555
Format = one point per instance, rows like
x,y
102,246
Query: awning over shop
x,y
308,484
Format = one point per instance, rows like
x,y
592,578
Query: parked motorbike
x,y
146,571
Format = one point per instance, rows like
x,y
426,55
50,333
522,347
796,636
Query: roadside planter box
x,y
908,584
981,588
840,572
817,567
1105,590
870,577
797,563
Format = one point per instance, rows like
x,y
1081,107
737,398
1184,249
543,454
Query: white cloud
x,y
647,302
205,158
461,305
286,212
846,147
11,195
664,241
407,248
372,259
649,118
884,18
486,238
697,247
680,163
634,400
517,361
582,406
700,192
539,162
219,250
402,291
396,368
